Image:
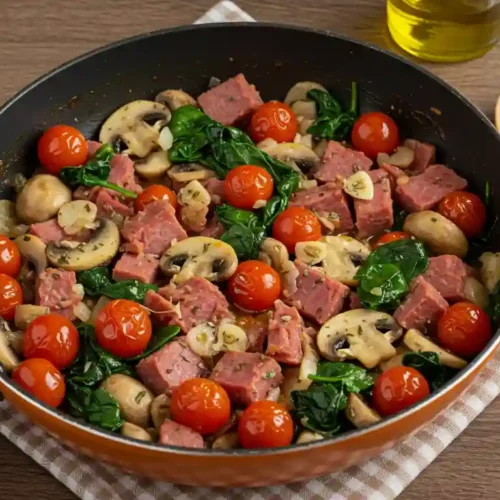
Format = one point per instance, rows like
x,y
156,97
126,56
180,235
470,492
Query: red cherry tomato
x,y
42,379
390,237
466,210
296,224
254,286
375,133
201,404
397,388
273,120
52,337
62,146
123,328
10,257
154,193
246,185
11,295
464,329
265,424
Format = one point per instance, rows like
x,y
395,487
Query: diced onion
x,y
82,312
166,139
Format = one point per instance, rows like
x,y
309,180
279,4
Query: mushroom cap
x,y
186,172
32,248
175,99
299,91
291,153
359,413
100,248
199,256
154,166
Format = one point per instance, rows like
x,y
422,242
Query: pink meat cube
x,y
447,273
108,204
123,173
425,155
174,434
136,267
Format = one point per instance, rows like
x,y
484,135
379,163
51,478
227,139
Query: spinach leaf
x,y
94,173
429,365
160,338
332,122
93,280
353,378
493,307
399,218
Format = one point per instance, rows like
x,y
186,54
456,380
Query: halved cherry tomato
x,y
265,424
375,133
154,193
397,388
52,337
42,379
246,185
201,404
273,120
62,146
464,329
123,328
466,210
10,257
296,224
11,295
390,237
254,286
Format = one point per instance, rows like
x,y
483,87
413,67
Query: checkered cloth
x,y
382,478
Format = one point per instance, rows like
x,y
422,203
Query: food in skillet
x,y
225,273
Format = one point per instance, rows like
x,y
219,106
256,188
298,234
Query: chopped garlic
x,y
359,185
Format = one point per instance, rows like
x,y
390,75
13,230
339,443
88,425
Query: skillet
x,y
85,91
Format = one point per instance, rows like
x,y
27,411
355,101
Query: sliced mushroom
x,y
41,198
8,357
175,99
292,154
359,186
133,398
199,256
475,292
186,172
306,108
417,342
309,437
135,432
311,252
128,124
154,166
490,270
359,334
343,257
8,218
32,248
160,410
299,91
274,253
396,360
359,413
77,215
228,441
194,192
99,249
26,313
402,158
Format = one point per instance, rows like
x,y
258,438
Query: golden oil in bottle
x,y
444,30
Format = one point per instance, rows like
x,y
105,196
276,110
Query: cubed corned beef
x,y
174,434
247,376
92,148
215,188
123,173
49,231
394,172
213,229
162,309
230,101
447,273
426,190
136,267
342,162
155,227
423,306
169,367
376,215
108,204
326,199
425,155
318,297
285,330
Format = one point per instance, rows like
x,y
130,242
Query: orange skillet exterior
x,y
244,470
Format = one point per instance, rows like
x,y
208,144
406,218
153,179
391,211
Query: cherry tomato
x,y
397,388
273,120
10,257
375,133
464,329
52,337
296,224
123,328
466,210
246,185
390,237
201,404
62,146
265,424
154,193
254,286
42,379
11,295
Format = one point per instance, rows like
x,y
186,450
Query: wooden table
x,y
36,35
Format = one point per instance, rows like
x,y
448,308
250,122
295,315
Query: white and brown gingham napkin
x,y
382,478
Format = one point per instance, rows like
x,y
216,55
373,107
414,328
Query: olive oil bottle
x,y
444,30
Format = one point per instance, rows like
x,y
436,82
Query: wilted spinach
x,y
94,173
332,122
159,339
429,365
353,378
493,308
